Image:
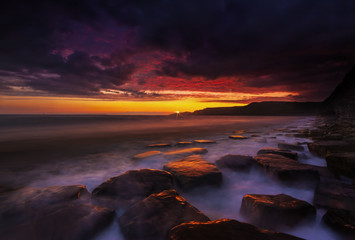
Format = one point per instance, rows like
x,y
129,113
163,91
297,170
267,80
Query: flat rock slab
x,y
153,217
238,137
183,143
186,151
335,194
193,171
321,148
204,141
271,211
278,151
235,162
224,229
340,220
288,170
342,163
61,221
132,186
289,146
157,145
146,155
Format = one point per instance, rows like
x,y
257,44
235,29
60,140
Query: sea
x,y
46,150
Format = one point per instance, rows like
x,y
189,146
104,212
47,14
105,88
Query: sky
x,y
161,56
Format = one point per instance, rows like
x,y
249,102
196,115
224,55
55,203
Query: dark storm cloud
x,y
303,45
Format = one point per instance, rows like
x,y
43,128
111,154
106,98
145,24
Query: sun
x,y
177,112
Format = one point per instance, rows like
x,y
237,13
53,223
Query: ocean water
x,y
50,150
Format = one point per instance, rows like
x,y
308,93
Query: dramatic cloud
x,y
102,48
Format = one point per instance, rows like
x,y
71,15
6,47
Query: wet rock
x,y
238,137
340,220
235,162
186,152
288,170
193,171
226,229
289,146
335,194
184,143
70,221
238,132
153,217
132,186
157,145
321,148
342,164
277,151
271,211
204,141
146,155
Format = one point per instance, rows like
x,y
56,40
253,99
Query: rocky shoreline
x,y
151,205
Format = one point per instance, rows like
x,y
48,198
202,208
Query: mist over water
x,y
63,150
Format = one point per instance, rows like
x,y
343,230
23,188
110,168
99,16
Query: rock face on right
x,y
342,163
193,171
274,210
288,170
153,217
340,220
224,229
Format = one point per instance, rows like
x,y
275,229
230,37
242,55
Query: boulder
x,y
153,217
157,145
193,171
277,151
146,155
340,220
226,229
289,146
271,211
288,170
70,221
132,186
238,137
342,163
235,162
321,148
335,194
204,141
186,152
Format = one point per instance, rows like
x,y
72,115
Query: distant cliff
x,y
266,109
342,101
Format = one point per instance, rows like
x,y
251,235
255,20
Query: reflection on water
x,y
107,144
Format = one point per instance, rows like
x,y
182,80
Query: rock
x,y
184,143
132,186
70,221
288,146
238,132
153,217
340,220
146,155
237,137
335,194
271,211
193,171
277,151
224,229
186,151
204,141
235,162
321,148
288,170
255,135
342,163
159,145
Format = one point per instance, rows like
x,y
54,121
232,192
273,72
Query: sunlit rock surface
x,y
204,141
237,137
132,186
289,146
153,217
186,151
277,151
146,155
235,162
335,194
157,145
271,211
288,170
224,229
193,171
